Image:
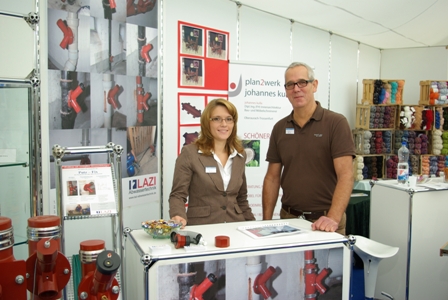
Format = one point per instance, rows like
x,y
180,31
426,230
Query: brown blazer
x,y
208,203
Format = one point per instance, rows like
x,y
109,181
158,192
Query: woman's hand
x,y
180,220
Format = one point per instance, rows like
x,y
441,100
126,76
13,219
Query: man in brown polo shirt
x,y
310,157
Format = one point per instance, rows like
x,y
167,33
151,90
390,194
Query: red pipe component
x,y
87,187
11,269
111,96
6,240
39,228
144,52
72,97
48,270
68,34
197,291
180,241
319,281
101,283
43,227
141,99
313,281
47,253
112,4
88,253
260,283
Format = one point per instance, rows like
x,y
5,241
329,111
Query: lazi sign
x,y
142,184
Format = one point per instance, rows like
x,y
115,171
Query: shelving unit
x,y
114,157
415,124
16,161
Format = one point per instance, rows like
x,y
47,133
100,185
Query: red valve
x,y
48,269
7,238
88,252
10,268
73,95
319,281
68,34
88,188
111,96
141,100
260,283
198,290
313,280
101,283
145,52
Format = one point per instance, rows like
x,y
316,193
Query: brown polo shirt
x,y
308,177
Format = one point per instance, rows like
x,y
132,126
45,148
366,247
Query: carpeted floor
x,y
357,284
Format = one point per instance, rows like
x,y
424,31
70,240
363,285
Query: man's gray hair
x,y
301,64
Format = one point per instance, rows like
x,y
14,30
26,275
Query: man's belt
x,y
308,215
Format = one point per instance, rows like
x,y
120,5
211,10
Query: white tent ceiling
x,y
384,24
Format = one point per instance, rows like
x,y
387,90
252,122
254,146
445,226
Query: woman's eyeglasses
x,y
229,120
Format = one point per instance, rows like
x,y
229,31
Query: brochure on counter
x,y
270,230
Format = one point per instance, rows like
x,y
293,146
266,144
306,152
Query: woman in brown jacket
x,y
210,173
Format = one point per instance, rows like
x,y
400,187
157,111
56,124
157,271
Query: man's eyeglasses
x,y
229,120
300,84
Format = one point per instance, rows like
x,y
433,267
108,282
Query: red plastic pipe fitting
x,y
72,98
145,52
260,283
101,283
141,99
111,96
198,290
88,188
112,4
68,34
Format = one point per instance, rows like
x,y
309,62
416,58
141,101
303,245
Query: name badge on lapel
x,y
210,169
289,130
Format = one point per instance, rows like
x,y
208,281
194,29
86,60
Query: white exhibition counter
x,y
281,267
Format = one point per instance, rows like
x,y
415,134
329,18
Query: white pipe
x,y
72,23
335,262
153,85
253,269
107,86
122,33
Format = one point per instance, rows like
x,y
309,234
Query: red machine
x,y
48,269
88,253
101,283
13,272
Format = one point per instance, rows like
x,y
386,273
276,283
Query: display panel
x,y
279,274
